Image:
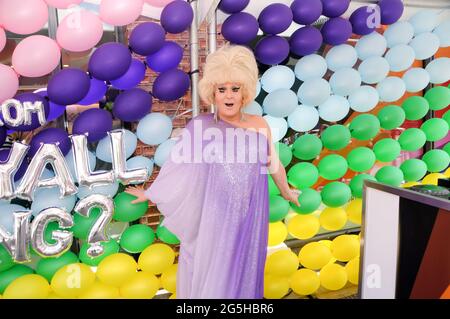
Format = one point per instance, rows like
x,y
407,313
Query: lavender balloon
x,y
233,6
96,92
4,155
306,12
336,31
362,20
275,18
272,50
110,61
334,8
171,85
50,135
95,122
147,38
177,16
68,86
240,28
168,57
132,105
305,41
29,97
56,110
131,78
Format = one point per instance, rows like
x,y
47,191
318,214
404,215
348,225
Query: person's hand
x,y
138,192
292,196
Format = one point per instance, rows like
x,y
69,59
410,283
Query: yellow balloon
x,y
304,226
447,172
72,280
156,258
53,295
169,278
345,247
277,233
116,269
326,242
410,184
100,290
314,255
432,179
281,263
142,285
333,277
173,296
354,211
27,287
333,218
275,287
304,282
352,269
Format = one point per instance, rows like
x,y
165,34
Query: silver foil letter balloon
x,y
17,244
8,168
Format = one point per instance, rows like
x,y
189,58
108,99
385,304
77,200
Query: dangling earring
x,y
215,114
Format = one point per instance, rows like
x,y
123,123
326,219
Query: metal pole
x,y
194,61
212,39
428,145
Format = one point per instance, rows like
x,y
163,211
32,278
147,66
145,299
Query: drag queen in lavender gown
x,y
212,190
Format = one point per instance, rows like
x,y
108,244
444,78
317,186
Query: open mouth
x,y
230,105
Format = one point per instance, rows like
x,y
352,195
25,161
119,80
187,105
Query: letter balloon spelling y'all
x,y
17,243
8,169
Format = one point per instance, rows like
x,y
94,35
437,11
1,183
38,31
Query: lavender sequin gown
x,y
219,211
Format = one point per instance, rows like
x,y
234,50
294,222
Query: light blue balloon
x,y
7,217
278,127
443,33
424,21
425,45
364,99
258,88
341,56
253,108
280,103
400,57
137,162
154,128
4,202
50,197
277,77
400,32
416,79
373,69
314,91
391,89
71,164
108,190
439,70
345,81
310,66
304,118
103,150
162,152
334,109
371,45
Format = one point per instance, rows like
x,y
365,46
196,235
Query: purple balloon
x,y
275,18
305,41
4,155
233,6
56,110
3,135
336,31
95,122
272,50
240,28
68,86
168,57
131,78
177,16
391,11
334,8
362,20
96,92
306,12
147,38
132,105
109,61
50,135
171,85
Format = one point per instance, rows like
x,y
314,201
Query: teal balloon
x,y
103,150
387,150
314,92
390,175
273,188
136,238
341,56
108,190
436,160
413,169
391,89
280,103
336,137
361,159
416,79
309,201
336,194
310,66
345,81
302,175
110,247
50,197
154,128
357,184
391,117
277,77
307,147
373,69
425,45
412,139
166,236
400,57
278,208
284,153
8,276
364,127
141,162
332,167
415,107
435,129
6,260
47,267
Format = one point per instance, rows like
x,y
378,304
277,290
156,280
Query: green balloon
x,y
390,175
8,276
361,159
412,139
166,236
49,231
415,107
273,188
387,150
364,127
336,137
332,167
6,260
438,97
357,184
278,208
136,238
391,116
446,117
307,147
302,175
336,194
47,267
447,148
309,201
435,129
110,247
436,160
83,225
413,169
284,153
124,211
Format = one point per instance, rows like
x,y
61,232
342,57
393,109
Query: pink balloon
x,y
9,82
24,16
120,12
79,31
2,39
36,56
63,4
158,3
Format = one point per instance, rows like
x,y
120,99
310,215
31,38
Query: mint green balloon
x,y
391,117
412,139
436,160
336,194
332,167
364,127
390,175
278,208
435,129
47,267
438,97
357,184
413,169
302,175
166,236
361,159
415,107
8,276
447,148
309,201
110,247
387,150
307,147
6,260
284,153
336,137
273,188
136,238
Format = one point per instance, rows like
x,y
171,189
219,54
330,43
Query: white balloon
x,y
341,56
278,127
310,66
371,45
364,99
314,91
439,70
280,103
443,33
425,45
391,89
400,57
424,21
416,79
334,109
277,77
400,32
253,108
345,81
304,118
373,69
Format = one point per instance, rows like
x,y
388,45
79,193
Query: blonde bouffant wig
x,y
231,63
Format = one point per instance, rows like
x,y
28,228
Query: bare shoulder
x,y
257,121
